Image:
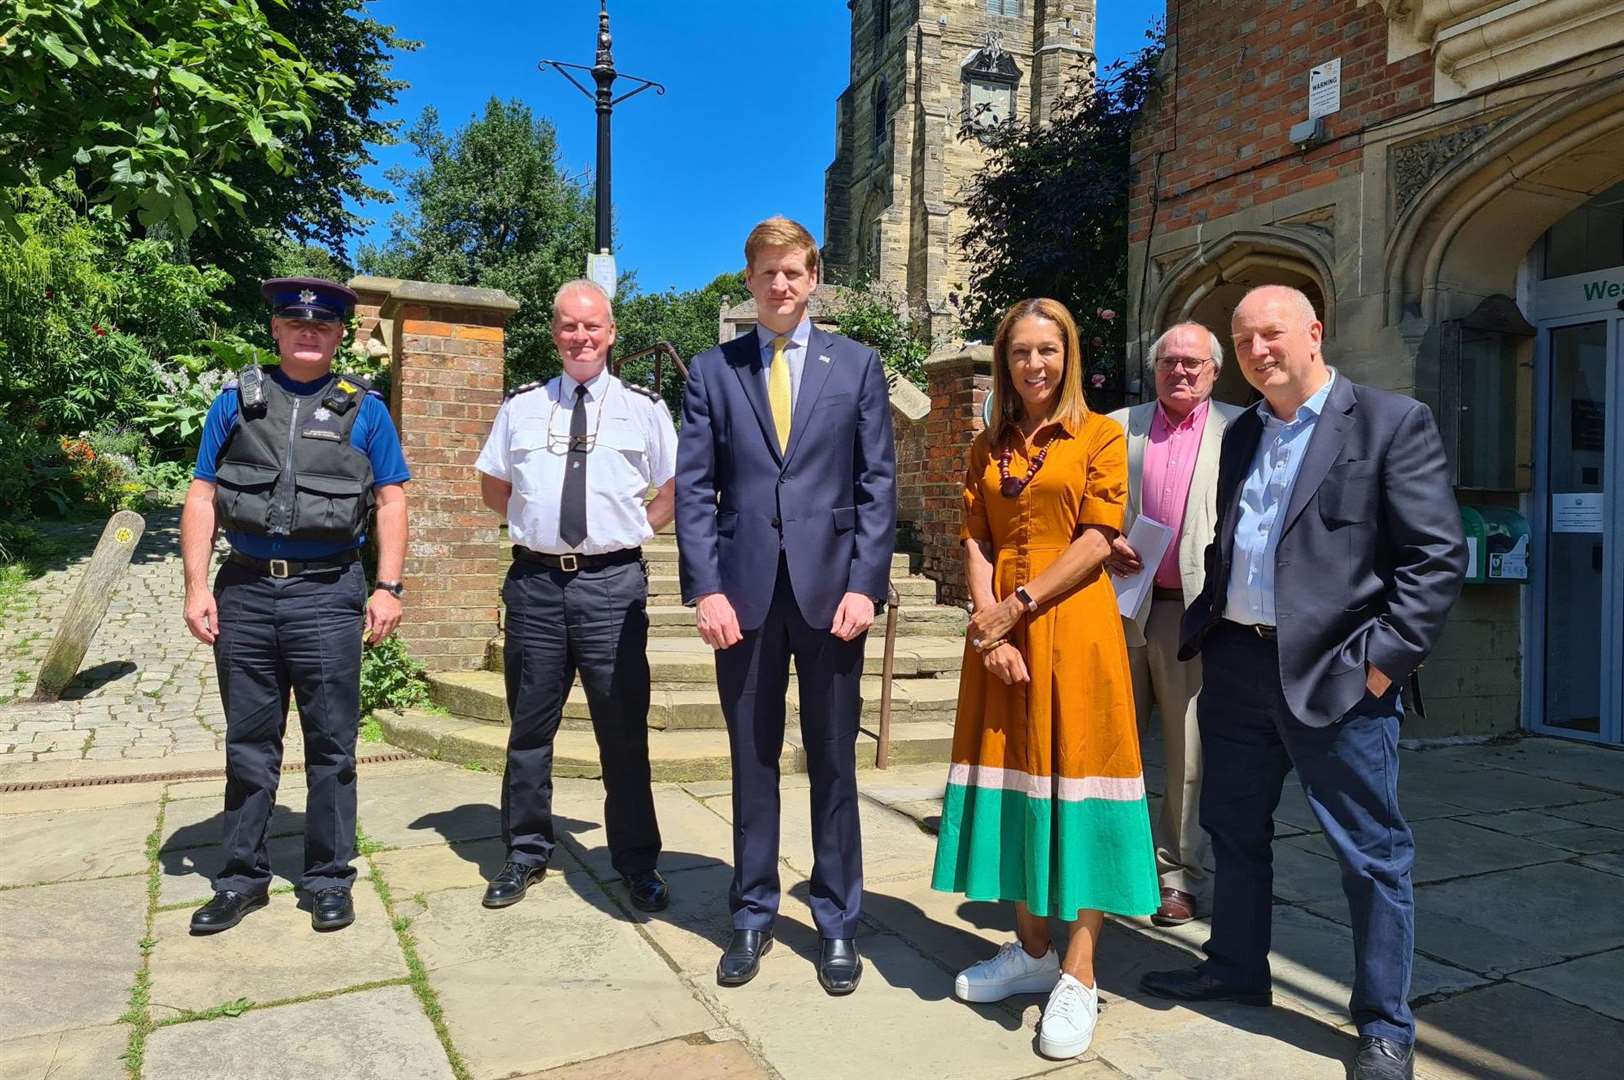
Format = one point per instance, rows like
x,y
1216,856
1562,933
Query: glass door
x,y
1579,602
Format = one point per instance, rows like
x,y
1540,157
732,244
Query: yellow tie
x,y
778,392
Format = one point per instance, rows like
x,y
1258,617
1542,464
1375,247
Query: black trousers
x,y
594,622
753,679
298,634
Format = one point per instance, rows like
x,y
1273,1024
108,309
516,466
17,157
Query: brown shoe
x,y
1178,908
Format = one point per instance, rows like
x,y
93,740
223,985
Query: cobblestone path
x,y
146,688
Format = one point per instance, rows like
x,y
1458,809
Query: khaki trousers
x,y
1160,678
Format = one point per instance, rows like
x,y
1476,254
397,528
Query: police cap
x,y
309,298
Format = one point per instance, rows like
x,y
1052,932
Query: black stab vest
x,y
287,468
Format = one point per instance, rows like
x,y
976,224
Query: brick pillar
x,y
958,384
446,385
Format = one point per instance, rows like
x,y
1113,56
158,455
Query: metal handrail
x,y
893,600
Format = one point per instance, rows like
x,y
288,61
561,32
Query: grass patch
x,y
365,846
371,730
14,579
419,976
243,1005
139,1013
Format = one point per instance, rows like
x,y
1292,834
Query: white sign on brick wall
x,y
1325,89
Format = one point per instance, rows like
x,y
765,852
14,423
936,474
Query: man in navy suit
x,y
786,523
1337,555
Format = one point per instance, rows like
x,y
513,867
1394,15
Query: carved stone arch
x,y
870,238
1462,235
1205,285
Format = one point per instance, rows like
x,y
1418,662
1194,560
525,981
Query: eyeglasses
x,y
1192,364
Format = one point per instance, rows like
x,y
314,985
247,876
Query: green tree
x,y
685,319
149,106
491,206
871,313
1048,213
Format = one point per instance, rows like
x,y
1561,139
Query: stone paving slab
x,y
1511,1032
190,823
69,953
1446,849
434,867
677,1059
1595,982
892,847
1515,919
1585,839
1483,789
1144,1038
693,833
1550,759
1522,823
96,797
271,955
73,845
1609,813
560,953
378,1034
83,1054
1611,863
187,875
451,805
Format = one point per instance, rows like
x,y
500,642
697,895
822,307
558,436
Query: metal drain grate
x,y
182,774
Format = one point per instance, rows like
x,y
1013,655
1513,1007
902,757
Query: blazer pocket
x,y
845,518
834,399
1347,496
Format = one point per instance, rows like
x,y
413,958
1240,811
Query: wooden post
x,y
89,604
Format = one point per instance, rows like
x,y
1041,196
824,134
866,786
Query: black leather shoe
x,y
742,957
648,891
1193,985
332,909
510,883
840,969
225,911
1384,1059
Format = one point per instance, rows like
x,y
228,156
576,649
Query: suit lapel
x,y
747,366
1239,448
1206,460
1139,420
1330,431
814,374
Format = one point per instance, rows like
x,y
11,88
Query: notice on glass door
x,y
1576,512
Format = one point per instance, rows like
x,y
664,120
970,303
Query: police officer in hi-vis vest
x,y
294,458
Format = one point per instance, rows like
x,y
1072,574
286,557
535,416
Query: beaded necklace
x,y
1008,486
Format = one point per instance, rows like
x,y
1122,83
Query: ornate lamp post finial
x,y
606,58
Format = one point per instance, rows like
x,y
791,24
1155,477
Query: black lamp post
x,y
604,75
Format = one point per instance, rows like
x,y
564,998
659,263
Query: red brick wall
x,y
958,385
447,388
1222,124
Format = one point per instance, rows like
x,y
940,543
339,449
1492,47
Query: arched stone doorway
x,y
1205,286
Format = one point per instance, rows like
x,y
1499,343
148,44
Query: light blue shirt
x,y
794,354
1264,497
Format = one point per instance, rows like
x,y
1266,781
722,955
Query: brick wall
x,y
958,385
447,345
1219,132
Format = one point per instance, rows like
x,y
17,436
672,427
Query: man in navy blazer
x,y
1337,556
786,523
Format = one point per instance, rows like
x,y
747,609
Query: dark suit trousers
x,y
558,623
1349,771
753,679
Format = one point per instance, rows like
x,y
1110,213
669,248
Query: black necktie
x,y
572,511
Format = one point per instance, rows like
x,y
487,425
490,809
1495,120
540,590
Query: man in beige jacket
x,y
1173,445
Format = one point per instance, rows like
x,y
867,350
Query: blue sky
x,y
694,169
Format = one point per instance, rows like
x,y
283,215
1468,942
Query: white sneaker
x,y
1068,1020
1012,970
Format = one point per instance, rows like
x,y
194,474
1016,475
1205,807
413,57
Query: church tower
x,y
892,204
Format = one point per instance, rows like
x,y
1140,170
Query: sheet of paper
x,y
1149,539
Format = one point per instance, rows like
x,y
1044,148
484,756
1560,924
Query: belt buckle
x,y
279,568
1263,631
569,563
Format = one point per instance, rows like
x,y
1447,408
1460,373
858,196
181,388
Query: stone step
x,y
481,695
685,659
676,621
675,756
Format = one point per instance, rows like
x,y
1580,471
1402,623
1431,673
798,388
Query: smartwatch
x,y
1026,598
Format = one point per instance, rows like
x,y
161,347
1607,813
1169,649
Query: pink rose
x,y
1106,313
1098,380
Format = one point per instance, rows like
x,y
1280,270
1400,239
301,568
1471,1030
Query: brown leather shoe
x,y
1178,908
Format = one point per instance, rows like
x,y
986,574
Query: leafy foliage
x,y
150,105
491,206
390,678
685,319
872,314
1048,214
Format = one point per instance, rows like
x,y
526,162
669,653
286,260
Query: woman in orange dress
x,y
1045,802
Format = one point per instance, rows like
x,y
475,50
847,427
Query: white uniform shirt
x,y
528,446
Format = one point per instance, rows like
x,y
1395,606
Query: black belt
x,y
1267,633
283,568
572,564
1162,592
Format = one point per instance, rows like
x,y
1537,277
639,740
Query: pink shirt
x,y
1164,485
